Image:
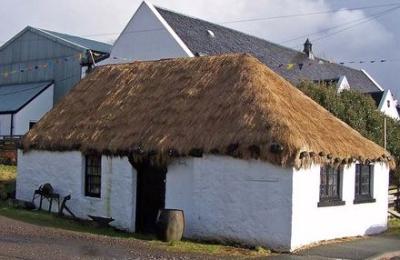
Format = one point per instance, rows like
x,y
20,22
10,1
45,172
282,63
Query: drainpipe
x,y
12,125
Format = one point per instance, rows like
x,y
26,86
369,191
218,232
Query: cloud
x,y
109,17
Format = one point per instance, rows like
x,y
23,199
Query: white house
x,y
156,33
21,106
223,138
386,103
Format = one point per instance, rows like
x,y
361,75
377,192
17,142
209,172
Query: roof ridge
x,y
71,35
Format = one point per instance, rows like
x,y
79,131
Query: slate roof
x,y
377,97
14,97
86,43
193,33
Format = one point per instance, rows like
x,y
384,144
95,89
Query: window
x,y
93,176
31,124
330,187
363,185
388,103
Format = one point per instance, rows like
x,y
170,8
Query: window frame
x,y
94,173
326,200
359,197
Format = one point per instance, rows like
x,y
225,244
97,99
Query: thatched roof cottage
x,y
246,155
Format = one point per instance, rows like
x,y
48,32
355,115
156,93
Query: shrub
x,y
359,111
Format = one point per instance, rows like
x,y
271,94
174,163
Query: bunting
x,y
22,68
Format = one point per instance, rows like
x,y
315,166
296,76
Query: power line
x,y
307,14
255,19
353,22
354,25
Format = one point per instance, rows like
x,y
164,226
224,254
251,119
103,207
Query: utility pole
x,y
384,133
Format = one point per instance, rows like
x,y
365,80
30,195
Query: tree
x,y
359,111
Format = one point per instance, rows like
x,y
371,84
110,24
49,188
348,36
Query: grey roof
x,y
377,97
193,33
86,43
14,97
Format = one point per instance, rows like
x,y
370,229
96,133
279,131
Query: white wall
x,y
65,172
224,199
33,111
5,124
391,110
229,199
312,223
147,37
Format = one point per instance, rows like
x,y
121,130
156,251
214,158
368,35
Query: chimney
x,y
308,49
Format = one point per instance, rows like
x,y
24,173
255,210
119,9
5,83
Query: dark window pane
x,y
363,181
330,183
93,176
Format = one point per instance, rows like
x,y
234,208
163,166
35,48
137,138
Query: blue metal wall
x,y
35,58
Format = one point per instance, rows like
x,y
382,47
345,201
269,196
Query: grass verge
x,y
394,227
42,218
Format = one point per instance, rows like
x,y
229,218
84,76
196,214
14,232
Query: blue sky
x,y
379,38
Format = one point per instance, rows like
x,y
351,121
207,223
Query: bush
x,y
359,111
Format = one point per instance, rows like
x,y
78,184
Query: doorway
x,y
150,195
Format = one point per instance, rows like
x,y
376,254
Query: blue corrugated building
x,y
37,68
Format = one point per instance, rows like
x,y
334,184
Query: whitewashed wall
x,y
65,172
229,199
224,199
312,223
5,124
147,37
33,111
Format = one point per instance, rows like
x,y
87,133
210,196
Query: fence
x,y
394,198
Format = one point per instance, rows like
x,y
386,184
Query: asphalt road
x,y
375,247
19,240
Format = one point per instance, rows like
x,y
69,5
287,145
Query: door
x,y
150,196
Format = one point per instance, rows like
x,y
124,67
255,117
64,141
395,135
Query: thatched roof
x,y
229,104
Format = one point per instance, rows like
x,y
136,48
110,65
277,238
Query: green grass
x,y
394,227
42,218
7,173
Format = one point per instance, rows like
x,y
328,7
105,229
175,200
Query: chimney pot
x,y
308,49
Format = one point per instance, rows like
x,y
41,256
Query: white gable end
x,y
147,37
343,84
388,105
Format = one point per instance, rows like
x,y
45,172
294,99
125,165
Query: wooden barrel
x,y
170,224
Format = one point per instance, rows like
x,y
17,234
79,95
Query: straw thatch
x,y
229,104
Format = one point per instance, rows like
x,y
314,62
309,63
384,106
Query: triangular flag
x,y
290,66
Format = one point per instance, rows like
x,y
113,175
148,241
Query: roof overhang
x,y
22,95
373,81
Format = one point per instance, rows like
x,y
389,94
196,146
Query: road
x,y
19,240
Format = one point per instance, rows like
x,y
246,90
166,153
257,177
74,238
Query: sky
x,y
338,32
